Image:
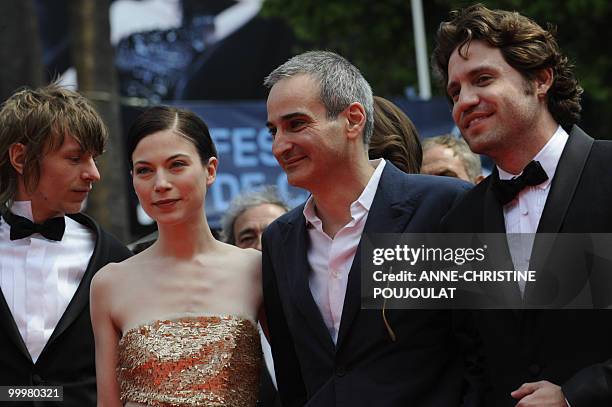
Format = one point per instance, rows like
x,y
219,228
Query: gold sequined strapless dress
x,y
191,361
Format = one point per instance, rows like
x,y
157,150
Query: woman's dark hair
x,y
395,137
184,122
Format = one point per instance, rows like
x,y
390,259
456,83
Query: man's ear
x,y
211,170
543,81
17,153
356,119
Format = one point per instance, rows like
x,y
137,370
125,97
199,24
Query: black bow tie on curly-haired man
x,y
507,190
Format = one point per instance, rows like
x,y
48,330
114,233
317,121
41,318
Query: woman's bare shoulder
x,y
114,272
248,254
106,275
244,258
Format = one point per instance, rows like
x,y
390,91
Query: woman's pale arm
x,y
107,339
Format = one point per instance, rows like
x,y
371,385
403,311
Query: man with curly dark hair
x,y
515,99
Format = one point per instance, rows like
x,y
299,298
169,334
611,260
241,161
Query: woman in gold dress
x,y
175,324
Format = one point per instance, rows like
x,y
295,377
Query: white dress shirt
x,y
330,260
522,215
39,277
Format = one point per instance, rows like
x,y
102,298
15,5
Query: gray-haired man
x,y
327,350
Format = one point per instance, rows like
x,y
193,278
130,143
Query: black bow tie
x,y
506,190
52,229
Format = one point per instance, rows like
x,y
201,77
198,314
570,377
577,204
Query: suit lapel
x,y
493,211
562,189
389,213
565,182
81,296
295,240
8,325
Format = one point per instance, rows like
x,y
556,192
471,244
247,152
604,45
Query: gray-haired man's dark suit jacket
x,y
423,367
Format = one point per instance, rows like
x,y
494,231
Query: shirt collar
x,y
548,157
364,201
23,208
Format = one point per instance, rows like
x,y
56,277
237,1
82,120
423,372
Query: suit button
x,y
534,369
36,379
340,371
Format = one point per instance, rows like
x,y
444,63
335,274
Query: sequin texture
x,y
192,361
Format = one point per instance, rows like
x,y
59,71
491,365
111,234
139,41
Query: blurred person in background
x,y
395,138
450,156
249,215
